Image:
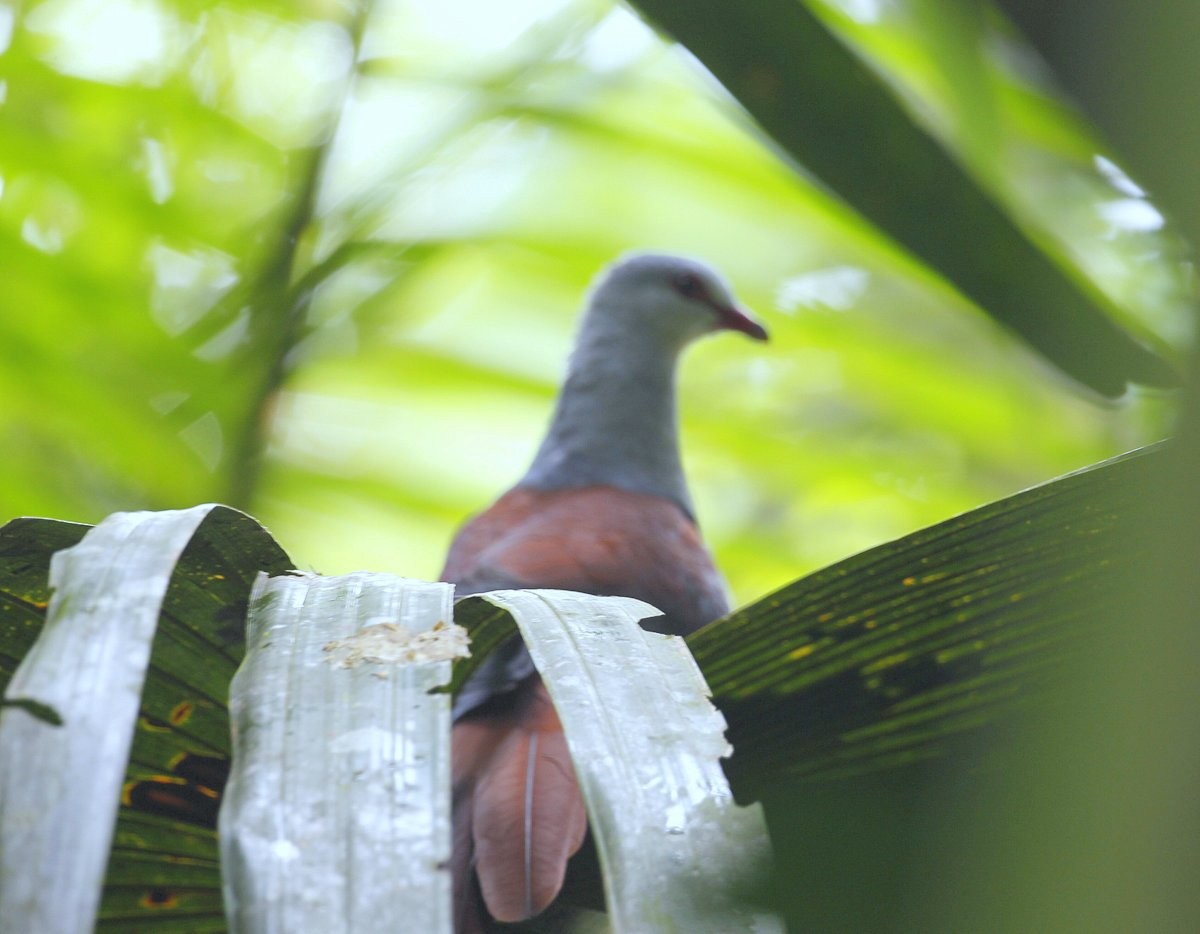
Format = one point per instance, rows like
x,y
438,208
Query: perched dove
x,y
603,509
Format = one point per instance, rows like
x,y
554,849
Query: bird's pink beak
x,y
732,318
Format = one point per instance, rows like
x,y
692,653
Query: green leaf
x,y
88,665
43,712
180,756
337,814
164,845
646,743
26,547
898,653
837,118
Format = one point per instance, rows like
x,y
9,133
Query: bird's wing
x,y
595,539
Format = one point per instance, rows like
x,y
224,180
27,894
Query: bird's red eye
x,y
689,286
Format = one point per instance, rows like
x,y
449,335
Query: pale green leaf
x,y
336,817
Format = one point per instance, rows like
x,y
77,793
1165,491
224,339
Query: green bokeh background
x,y
439,201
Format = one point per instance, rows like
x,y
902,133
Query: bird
x,y
604,508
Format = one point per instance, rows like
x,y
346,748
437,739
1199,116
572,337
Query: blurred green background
x,y
322,261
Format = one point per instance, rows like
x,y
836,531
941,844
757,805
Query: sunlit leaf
x,y
337,813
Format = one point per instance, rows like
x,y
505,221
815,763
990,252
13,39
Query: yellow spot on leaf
x,y
887,662
803,652
159,898
127,788
958,651
182,712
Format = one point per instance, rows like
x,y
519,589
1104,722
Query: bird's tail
x,y
518,814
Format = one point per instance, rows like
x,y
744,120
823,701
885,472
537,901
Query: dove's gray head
x,y
666,301
615,421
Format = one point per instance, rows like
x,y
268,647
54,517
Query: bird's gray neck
x,y
615,422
